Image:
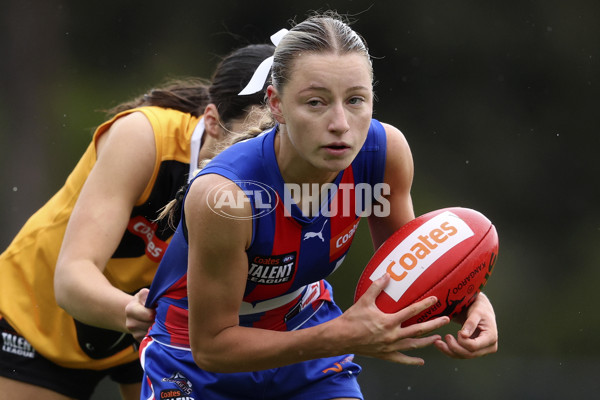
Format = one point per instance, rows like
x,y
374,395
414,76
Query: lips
x,y
337,146
337,149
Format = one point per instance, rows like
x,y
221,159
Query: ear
x,y
211,121
275,104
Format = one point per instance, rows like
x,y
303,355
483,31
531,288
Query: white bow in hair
x,y
262,72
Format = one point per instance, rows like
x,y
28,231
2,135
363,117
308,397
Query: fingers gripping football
x,y
478,335
381,335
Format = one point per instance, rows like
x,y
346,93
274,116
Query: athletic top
x,y
290,253
27,265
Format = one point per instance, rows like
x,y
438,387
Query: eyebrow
x,y
324,89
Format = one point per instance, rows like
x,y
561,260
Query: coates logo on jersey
x,y
232,196
141,227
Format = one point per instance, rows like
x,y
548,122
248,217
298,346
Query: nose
x,y
338,123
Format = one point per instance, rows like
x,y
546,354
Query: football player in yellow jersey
x,y
60,337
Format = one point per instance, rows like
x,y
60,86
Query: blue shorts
x,y
171,373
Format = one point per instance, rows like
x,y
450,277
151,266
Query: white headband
x,y
262,72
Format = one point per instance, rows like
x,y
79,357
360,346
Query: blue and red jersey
x,y
290,254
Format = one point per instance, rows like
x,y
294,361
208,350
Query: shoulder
x,y
217,194
398,167
149,117
397,148
216,201
395,139
159,112
132,129
382,134
133,120
384,153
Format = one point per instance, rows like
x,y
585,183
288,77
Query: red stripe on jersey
x,y
287,237
288,232
144,343
325,296
178,290
274,319
321,294
344,221
149,382
176,323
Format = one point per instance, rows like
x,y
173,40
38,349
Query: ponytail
x,y
190,95
172,210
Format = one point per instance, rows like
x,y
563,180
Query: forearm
x,y
240,349
85,293
361,330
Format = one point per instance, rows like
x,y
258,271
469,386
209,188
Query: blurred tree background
x,y
498,99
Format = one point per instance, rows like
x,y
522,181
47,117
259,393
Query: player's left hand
x,y
478,335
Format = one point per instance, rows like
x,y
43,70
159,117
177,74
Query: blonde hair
x,y
320,33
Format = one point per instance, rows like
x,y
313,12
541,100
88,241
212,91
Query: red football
x,y
448,253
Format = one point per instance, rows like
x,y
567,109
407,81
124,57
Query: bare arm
x,y
217,273
125,162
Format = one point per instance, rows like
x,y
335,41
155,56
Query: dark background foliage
x,y
498,99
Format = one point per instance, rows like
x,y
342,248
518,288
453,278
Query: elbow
x,y
60,297
202,361
214,350
61,288
209,360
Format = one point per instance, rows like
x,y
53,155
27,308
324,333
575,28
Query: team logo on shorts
x,y
182,383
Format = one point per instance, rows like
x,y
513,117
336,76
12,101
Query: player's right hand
x,y
139,318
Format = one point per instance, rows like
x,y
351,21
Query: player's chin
x,y
336,164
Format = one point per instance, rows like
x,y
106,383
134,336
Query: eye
x,y
314,102
356,100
